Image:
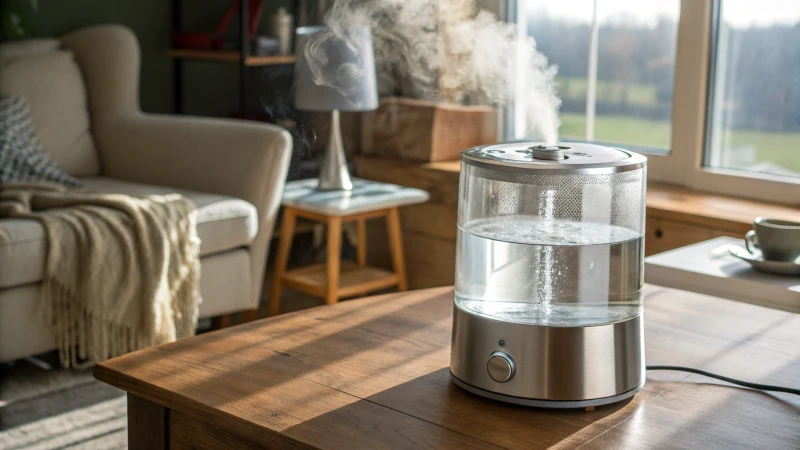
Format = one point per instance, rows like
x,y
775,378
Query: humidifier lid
x,y
566,157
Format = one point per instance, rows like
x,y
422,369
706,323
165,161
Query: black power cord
x,y
761,387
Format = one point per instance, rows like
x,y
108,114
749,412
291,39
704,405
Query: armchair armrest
x,y
247,160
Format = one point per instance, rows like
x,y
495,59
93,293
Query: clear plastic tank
x,y
551,235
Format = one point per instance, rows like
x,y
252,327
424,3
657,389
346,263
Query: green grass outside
x,y
610,91
780,148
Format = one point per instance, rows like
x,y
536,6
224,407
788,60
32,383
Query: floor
x,y
56,408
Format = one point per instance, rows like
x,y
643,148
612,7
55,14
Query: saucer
x,y
759,263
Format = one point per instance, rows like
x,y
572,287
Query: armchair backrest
x,y
74,86
108,56
48,78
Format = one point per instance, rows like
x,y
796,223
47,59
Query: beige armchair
x,y
83,92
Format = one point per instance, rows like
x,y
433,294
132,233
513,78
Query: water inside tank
x,y
532,270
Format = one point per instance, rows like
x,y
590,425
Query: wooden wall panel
x,y
424,130
430,219
440,179
662,235
430,261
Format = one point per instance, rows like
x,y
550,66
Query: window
x,y
755,102
616,66
708,89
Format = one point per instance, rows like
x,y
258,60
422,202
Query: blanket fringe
x,y
85,338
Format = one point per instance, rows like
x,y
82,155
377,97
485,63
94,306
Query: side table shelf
x,y
336,279
353,279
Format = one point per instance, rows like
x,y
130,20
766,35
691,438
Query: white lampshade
x,y
332,73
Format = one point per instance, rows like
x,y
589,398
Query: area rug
x,y
54,408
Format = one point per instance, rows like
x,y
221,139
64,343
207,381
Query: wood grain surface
x,y
352,279
373,373
146,424
425,130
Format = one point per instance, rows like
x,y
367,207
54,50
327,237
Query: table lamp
x,y
334,73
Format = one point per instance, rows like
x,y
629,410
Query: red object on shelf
x,y
256,10
216,40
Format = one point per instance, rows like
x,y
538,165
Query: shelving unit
x,y
242,57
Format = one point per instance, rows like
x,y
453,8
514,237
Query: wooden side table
x,y
336,279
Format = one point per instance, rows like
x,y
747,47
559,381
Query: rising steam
x,y
450,50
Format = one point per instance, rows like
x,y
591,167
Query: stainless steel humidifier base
x,y
554,367
559,404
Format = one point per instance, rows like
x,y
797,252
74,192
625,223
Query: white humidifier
x,y
549,274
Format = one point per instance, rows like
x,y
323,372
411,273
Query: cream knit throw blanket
x,y
122,273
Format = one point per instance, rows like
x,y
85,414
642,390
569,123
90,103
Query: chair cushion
x,y
223,223
52,83
225,286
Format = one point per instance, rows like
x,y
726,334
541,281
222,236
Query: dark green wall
x,y
209,88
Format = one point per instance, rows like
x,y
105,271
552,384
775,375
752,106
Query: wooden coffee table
x,y
373,373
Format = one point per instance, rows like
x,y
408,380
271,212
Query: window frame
x,y
684,165
691,118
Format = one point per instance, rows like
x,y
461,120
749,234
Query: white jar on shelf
x,y
281,26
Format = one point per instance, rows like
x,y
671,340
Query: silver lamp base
x,y
552,367
334,175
